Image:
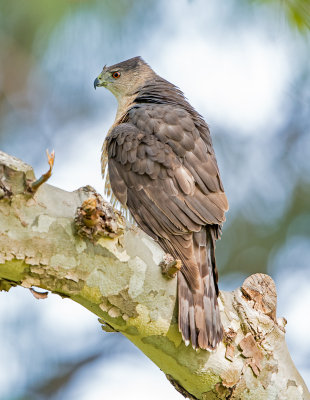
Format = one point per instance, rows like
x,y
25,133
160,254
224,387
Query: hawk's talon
x,y
170,266
43,178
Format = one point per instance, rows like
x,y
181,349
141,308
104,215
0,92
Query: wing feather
x,y
163,143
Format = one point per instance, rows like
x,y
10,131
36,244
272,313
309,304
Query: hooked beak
x,y
96,83
100,80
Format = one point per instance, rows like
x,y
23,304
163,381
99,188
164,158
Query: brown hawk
x,y
162,167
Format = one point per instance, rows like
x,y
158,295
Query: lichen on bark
x,y
115,273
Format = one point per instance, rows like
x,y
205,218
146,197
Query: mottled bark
x,y
77,246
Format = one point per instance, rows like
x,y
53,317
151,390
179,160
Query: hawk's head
x,y
125,78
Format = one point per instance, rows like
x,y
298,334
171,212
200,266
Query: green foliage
x,y
25,20
248,245
297,12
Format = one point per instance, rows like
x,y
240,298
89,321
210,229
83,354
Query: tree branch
x,y
76,245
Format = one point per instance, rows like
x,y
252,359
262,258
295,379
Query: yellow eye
x,y
116,75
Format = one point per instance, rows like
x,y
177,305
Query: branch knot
x,y
96,218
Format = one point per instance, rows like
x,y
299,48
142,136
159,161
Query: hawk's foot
x,y
170,266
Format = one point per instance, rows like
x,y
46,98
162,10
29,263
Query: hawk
x,y
162,167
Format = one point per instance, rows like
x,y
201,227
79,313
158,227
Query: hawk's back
x,y
162,166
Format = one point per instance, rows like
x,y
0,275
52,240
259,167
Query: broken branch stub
x,y
15,176
260,290
96,218
169,266
33,186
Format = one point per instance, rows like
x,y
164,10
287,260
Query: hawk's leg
x,y
170,266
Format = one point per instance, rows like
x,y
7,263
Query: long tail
x,y
199,316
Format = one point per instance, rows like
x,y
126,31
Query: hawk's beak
x,y
96,83
101,79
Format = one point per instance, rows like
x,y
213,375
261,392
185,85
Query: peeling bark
x,y
76,245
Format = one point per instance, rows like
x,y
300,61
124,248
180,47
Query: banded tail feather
x,y
199,316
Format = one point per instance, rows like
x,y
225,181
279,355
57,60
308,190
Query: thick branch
x,y
116,275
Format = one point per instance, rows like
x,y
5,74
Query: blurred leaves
x,y
22,21
27,30
247,245
60,377
262,226
297,12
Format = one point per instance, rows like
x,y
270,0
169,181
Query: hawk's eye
x,y
116,75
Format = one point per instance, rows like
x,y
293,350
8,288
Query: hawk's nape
x,y
162,166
